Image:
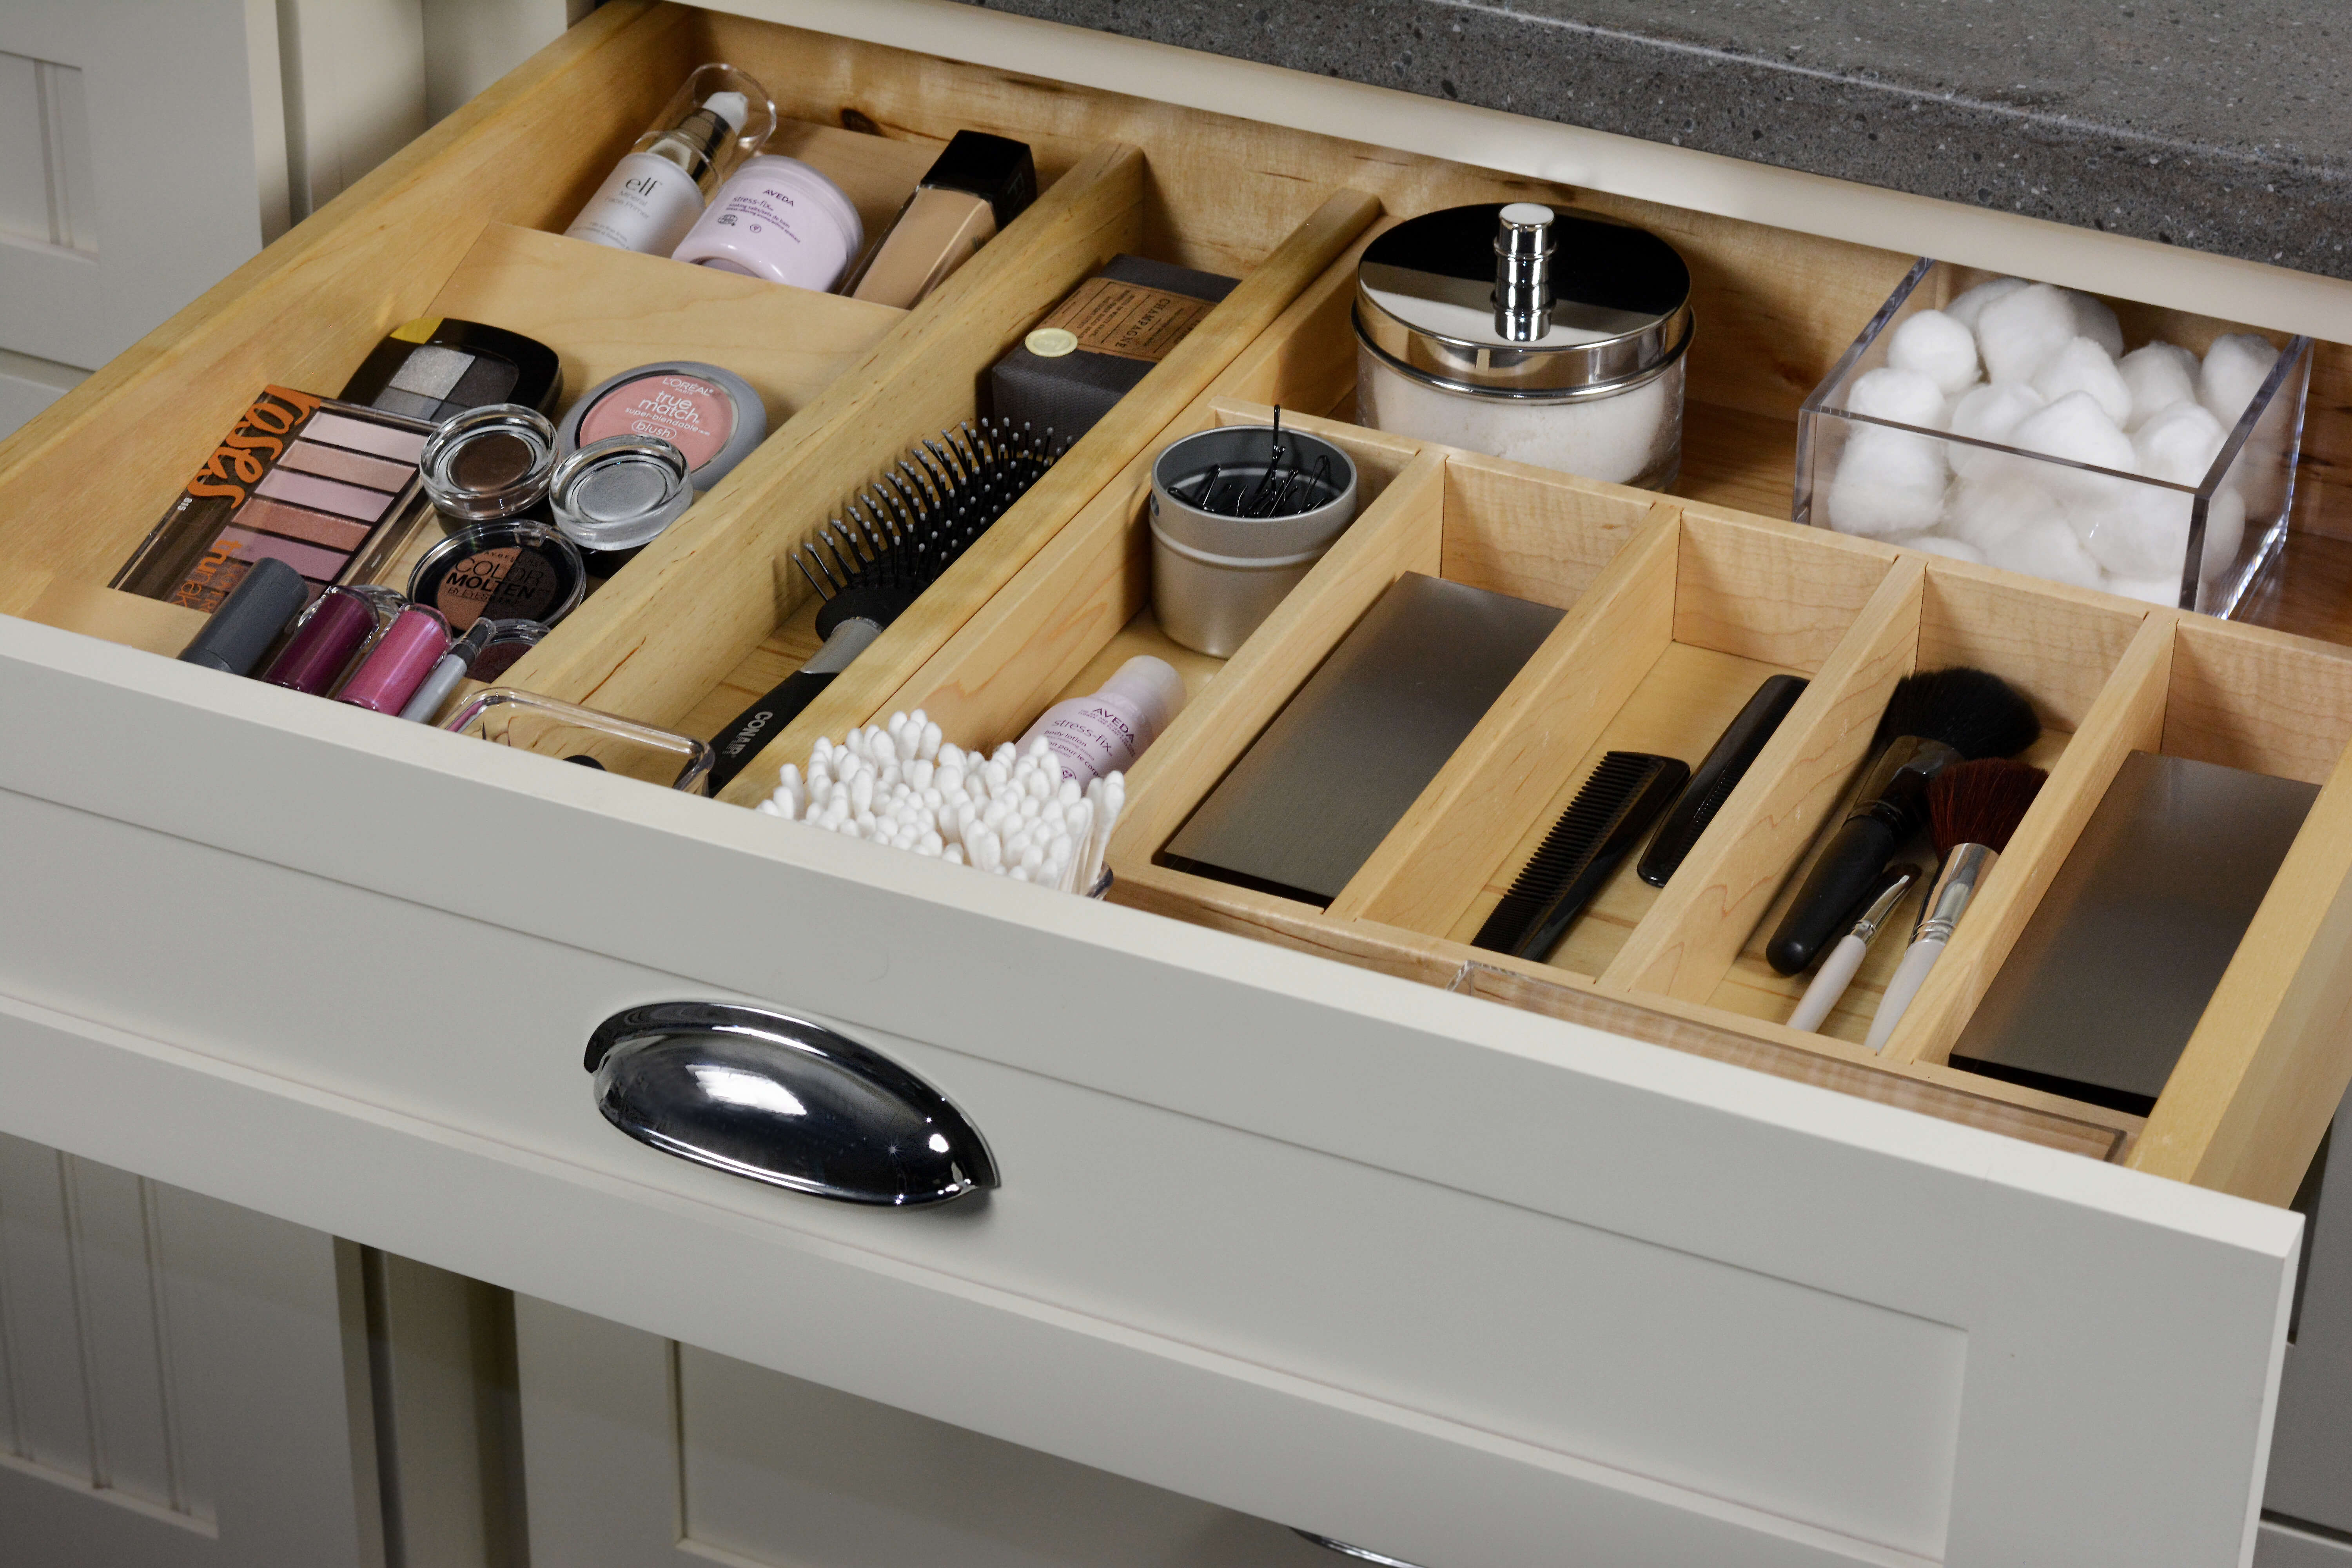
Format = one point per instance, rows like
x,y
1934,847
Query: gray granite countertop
x,y
2224,126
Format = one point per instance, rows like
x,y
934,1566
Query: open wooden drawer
x,y
1464,1283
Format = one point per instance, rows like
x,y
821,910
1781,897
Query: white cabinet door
x,y
644,1453
142,157
175,1389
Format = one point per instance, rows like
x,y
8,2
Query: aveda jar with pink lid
x,y
712,416
778,219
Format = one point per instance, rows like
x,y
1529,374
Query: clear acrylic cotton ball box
x,y
2104,472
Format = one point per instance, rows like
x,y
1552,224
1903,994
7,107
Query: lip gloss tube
x,y
434,689
399,663
338,625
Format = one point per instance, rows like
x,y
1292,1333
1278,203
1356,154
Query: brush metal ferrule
x,y
1865,928
1967,866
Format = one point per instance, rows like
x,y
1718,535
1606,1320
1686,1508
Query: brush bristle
x,y
1975,712
1980,802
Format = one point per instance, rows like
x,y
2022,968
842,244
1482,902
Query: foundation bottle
x,y
977,185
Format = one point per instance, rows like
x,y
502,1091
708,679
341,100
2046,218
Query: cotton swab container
x,y
2038,429
1010,812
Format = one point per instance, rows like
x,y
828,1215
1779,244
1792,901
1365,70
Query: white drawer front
x,y
1404,1267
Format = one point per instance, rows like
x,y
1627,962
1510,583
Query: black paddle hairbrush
x,y
872,559
1615,807
1932,720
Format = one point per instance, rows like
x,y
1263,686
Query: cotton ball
x,y
2150,590
1988,413
2225,532
2083,366
2160,376
2179,445
2076,428
1986,509
1936,544
1888,483
2021,332
2047,548
2095,320
2233,373
1905,396
1937,347
1969,306
2139,532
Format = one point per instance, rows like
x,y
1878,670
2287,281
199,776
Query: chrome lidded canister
x,y
1513,329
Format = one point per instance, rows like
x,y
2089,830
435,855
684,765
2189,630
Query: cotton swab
x,y
1010,812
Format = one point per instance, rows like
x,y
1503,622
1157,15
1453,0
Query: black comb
x,y
1719,773
1597,830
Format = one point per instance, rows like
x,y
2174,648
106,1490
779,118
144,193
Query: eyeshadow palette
x,y
301,480
436,366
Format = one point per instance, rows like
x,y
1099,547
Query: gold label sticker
x,y
1126,320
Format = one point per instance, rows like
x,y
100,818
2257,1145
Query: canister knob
x,y
1523,245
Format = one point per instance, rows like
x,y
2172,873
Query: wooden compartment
x,y
1676,612
603,310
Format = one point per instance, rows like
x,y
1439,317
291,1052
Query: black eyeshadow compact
x,y
509,570
438,365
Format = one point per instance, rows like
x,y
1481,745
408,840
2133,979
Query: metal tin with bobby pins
x,y
1239,515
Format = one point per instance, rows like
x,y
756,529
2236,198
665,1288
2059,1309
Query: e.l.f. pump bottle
x,y
652,196
1105,733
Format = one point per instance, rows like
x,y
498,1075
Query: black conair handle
x,y
757,725
1895,805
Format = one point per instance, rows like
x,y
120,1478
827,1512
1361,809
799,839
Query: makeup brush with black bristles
x,y
890,541
1973,809
1933,720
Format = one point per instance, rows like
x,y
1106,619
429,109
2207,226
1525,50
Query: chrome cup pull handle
x,y
782,1101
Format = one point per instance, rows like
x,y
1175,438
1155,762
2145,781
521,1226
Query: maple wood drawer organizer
x,y
1424,1249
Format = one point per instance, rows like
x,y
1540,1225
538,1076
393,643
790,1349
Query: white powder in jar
x,y
1633,437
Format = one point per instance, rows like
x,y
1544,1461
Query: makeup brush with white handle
x,y
1838,970
1972,809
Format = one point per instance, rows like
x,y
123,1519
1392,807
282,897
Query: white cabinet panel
x,y
160,149
179,1385
643,1453
48,1375
2285,1545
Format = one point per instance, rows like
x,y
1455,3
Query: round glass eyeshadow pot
x,y
487,465
501,570
712,416
614,497
509,641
